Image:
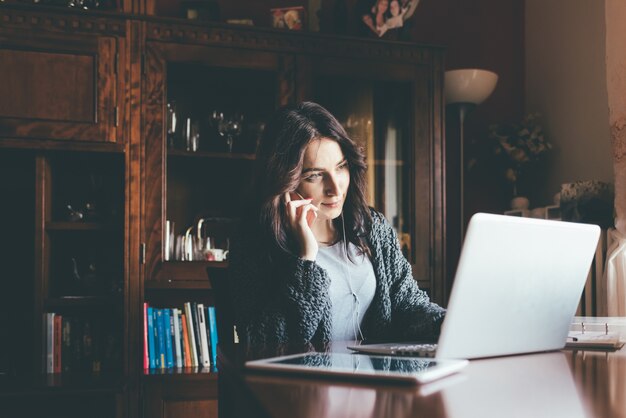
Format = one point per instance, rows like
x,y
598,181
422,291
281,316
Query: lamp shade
x,y
469,85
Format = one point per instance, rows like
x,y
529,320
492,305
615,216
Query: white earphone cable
x,y
356,326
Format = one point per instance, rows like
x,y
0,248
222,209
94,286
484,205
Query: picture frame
x,y
291,18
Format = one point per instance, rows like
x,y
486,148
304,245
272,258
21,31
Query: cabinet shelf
x,y
66,383
179,284
76,226
210,155
81,301
196,373
192,272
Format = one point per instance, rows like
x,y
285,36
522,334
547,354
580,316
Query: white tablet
x,y
408,369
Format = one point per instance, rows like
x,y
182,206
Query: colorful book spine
x,y
66,346
177,351
212,333
58,333
186,341
192,340
151,338
50,342
146,359
182,344
160,338
167,326
204,343
196,332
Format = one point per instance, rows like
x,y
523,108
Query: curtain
x,y
615,271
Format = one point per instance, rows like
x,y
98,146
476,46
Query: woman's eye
x,y
343,166
313,177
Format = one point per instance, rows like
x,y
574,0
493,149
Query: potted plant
x,y
519,146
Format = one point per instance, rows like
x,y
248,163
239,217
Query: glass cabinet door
x,y
392,111
202,137
376,114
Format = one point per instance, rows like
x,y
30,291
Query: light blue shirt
x,y
352,288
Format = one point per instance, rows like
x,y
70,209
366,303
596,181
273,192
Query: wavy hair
x,y
278,169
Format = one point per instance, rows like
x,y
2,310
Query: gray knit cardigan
x,y
287,301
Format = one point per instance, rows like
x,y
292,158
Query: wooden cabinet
x,y
67,192
59,77
197,80
88,108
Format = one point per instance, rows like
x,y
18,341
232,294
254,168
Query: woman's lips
x,y
332,205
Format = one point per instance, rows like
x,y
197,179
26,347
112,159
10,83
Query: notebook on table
x,y
516,289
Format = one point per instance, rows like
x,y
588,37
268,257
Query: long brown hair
x,y
279,163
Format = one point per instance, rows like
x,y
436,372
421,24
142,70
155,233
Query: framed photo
x,y
292,18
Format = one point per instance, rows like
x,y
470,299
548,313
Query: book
x,y
196,333
177,352
594,340
160,326
204,343
186,341
50,342
66,344
182,342
146,360
190,330
212,333
167,326
58,334
151,339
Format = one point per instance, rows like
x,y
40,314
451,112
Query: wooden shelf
x,y
213,155
76,226
72,146
66,383
178,284
198,373
81,301
184,274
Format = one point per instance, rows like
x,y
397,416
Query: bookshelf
x,y
65,256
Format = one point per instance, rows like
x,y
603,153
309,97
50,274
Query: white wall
x,y
566,82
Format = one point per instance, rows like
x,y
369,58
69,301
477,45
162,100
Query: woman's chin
x,y
330,214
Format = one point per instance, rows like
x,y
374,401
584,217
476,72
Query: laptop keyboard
x,y
422,350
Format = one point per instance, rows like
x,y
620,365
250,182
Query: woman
x,y
313,263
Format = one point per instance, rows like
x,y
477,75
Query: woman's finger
x,y
308,215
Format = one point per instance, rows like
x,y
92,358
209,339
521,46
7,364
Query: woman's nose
x,y
332,186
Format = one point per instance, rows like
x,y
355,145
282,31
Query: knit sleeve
x,y
280,302
413,315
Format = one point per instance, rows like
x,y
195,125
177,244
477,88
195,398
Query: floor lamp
x,y
464,90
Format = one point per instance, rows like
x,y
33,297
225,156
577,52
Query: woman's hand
x,y
300,215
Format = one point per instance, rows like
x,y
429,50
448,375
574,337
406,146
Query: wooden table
x,y
557,384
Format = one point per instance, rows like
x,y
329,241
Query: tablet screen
x,y
344,364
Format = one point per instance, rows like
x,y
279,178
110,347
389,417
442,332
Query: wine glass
x,y
229,127
233,129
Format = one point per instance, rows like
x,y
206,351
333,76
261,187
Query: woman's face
x,y
325,177
394,8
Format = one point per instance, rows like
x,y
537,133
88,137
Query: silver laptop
x,y
516,289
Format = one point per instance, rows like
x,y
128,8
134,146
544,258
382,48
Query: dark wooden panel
x,y
205,408
60,88
180,396
47,85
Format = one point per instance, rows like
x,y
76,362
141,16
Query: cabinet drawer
x,y
58,89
